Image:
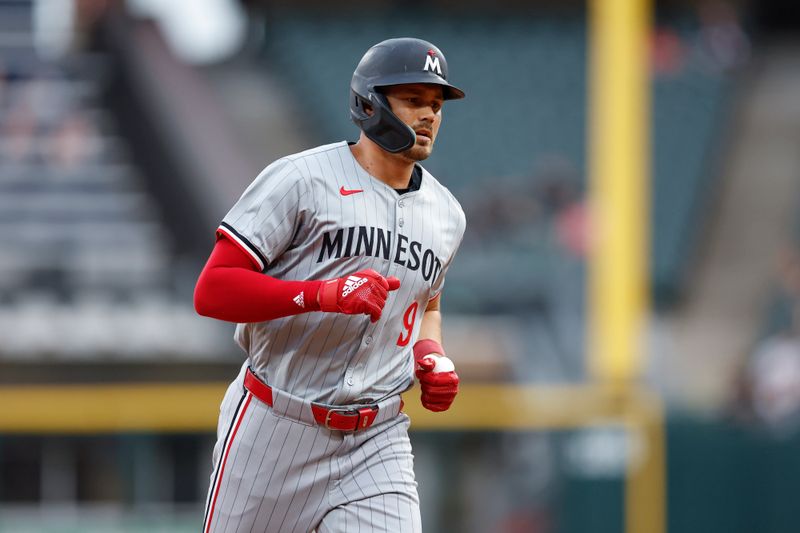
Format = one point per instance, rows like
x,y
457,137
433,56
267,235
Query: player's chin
x,y
418,152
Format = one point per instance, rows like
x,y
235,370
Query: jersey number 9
x,y
408,323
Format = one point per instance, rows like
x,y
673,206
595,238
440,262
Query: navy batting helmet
x,y
394,62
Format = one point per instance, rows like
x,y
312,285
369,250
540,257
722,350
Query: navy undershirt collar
x,y
416,177
416,181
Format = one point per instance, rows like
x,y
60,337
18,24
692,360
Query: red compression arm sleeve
x,y
231,288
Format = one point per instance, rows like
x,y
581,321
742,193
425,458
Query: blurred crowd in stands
x,y
507,208
769,384
720,44
86,267
39,123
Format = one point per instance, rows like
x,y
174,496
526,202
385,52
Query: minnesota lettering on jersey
x,y
377,242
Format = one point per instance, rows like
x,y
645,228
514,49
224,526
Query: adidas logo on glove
x,y
351,284
299,300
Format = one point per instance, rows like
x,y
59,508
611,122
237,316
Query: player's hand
x,y
437,379
364,292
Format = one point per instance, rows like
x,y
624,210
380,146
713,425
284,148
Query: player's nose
x,y
427,114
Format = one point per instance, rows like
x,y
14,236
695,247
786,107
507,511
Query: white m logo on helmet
x,y
432,64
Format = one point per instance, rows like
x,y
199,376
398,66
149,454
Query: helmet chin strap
x,y
384,128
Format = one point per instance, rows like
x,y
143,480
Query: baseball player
x,y
332,264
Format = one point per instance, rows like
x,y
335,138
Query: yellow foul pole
x,y
619,163
618,296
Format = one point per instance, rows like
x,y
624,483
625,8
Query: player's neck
x,y
392,169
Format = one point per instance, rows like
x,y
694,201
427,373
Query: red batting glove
x,y
439,389
363,292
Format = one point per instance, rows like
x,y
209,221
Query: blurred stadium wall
x,y
128,128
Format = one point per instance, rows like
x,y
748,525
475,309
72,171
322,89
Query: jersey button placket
x,y
398,224
400,204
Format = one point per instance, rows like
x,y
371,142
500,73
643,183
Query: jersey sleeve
x,y
264,221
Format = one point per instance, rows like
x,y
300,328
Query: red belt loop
x,y
339,418
260,390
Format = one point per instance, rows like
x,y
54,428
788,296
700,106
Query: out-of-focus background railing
x,y
127,129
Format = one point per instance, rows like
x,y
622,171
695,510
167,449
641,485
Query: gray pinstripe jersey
x,y
319,215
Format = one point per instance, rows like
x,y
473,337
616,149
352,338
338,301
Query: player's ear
x,y
368,108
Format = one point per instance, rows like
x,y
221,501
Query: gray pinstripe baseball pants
x,y
277,473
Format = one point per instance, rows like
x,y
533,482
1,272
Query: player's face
x,y
420,106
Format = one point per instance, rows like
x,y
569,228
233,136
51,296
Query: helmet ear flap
x,y
382,127
358,111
